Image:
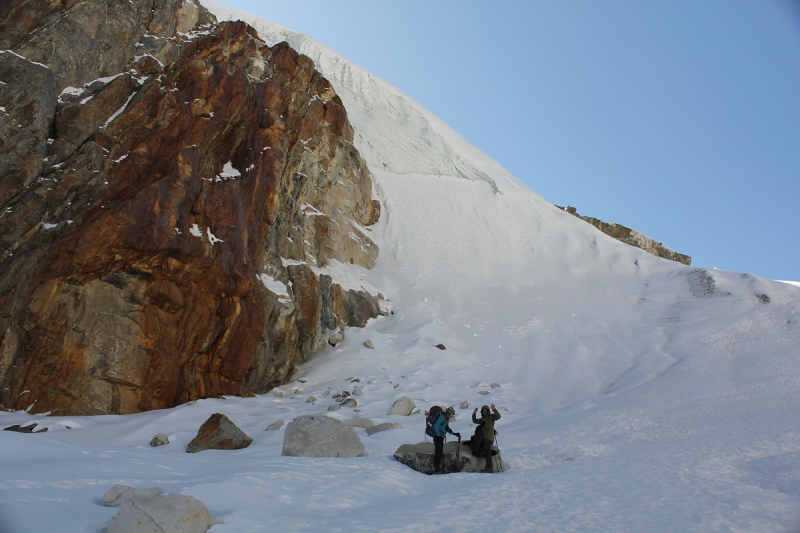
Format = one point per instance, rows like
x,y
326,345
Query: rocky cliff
x,y
631,237
171,190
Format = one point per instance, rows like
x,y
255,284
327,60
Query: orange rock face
x,y
143,267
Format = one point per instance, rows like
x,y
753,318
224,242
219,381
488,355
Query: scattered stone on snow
x,y
404,406
152,511
342,395
349,403
383,427
483,392
476,384
250,394
334,407
275,426
336,338
357,391
496,386
311,399
219,433
441,346
464,404
368,344
320,436
25,429
159,440
276,392
358,422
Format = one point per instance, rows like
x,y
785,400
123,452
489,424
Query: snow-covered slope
x,y
637,394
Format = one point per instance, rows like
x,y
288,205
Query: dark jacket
x,y
488,423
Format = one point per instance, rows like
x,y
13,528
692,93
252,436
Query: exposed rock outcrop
x,y
631,237
169,190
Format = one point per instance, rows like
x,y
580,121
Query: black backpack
x,y
431,419
476,441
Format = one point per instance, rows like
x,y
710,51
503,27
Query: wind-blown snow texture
x,y
637,394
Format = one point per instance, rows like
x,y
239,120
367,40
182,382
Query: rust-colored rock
x,y
219,433
139,269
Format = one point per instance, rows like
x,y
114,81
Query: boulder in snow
x,y
455,458
404,406
219,433
336,338
176,513
159,440
358,422
320,436
119,494
383,427
368,344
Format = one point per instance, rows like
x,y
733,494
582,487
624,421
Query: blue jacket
x,y
440,426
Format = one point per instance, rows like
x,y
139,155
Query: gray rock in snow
x,y
383,427
320,436
118,494
368,344
359,422
175,513
455,458
464,404
404,406
159,440
275,426
336,338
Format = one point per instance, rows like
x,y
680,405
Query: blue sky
x,y
677,118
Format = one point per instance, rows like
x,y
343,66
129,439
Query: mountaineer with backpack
x,y
436,426
486,422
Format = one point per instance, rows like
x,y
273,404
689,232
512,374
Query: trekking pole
x,y
458,452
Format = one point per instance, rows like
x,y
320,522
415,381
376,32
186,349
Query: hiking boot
x,y
487,469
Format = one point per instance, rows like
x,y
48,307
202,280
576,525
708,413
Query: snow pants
x,y
438,450
487,453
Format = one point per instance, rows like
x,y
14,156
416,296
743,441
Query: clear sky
x,y
677,118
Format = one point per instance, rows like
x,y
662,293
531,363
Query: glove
x,y
458,435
